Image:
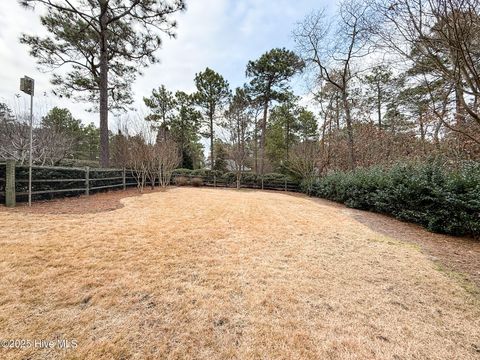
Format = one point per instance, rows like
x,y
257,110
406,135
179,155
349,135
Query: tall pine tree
x,y
269,81
103,44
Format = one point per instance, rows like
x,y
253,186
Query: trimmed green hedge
x,y
432,194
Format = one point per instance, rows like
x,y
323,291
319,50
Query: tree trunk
x,y
263,130
287,138
255,147
329,150
422,132
436,136
348,119
459,117
212,160
459,113
322,140
104,149
379,106
337,113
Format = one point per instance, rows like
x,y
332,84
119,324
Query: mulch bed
x,y
95,203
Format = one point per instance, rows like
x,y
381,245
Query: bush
x,y
197,181
249,177
229,178
278,181
432,194
180,172
274,178
181,180
206,172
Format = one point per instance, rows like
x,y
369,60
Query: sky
x,y
221,34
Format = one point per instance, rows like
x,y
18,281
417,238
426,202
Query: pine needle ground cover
x,y
224,274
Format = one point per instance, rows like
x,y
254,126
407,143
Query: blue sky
x,y
220,34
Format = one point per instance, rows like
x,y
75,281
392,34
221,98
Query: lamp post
x,y
27,85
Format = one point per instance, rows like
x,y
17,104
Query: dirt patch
x,y
209,274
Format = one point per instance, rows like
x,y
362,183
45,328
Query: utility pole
x,y
27,85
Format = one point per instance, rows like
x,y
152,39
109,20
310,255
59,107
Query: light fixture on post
x,y
27,85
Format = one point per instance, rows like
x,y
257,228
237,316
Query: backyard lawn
x,y
198,273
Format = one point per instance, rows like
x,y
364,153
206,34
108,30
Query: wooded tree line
x,y
420,98
389,81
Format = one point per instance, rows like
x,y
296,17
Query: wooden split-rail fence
x,y
52,181
56,181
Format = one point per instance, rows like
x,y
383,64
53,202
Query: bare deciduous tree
x,y
303,160
139,160
331,48
166,158
441,37
50,145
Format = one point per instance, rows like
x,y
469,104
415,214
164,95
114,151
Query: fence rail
x,y
55,181
258,183
49,191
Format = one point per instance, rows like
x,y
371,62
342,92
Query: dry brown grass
x,y
210,274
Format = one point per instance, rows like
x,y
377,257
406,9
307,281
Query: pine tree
x,y
184,130
103,45
212,95
269,82
161,104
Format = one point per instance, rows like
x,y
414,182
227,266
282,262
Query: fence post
x,y
262,181
285,184
214,180
10,183
87,180
124,183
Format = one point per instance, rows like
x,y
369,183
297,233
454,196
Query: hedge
x,y
181,172
432,194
